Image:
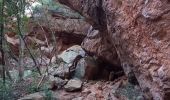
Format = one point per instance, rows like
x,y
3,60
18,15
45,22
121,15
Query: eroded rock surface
x,y
73,85
87,68
139,30
71,53
100,46
56,82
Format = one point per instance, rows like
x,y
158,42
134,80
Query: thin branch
x,y
2,39
22,37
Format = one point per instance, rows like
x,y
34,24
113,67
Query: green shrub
x,y
6,91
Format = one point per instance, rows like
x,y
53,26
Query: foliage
x,y
32,88
6,91
44,88
48,94
54,7
15,20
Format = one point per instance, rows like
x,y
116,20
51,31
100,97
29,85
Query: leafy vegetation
x,y
6,91
15,22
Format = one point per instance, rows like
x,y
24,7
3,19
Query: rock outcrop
x,y
100,46
139,30
71,53
65,32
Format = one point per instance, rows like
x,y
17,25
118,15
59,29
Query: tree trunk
x,y
2,59
140,32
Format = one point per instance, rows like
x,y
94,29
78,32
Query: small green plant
x,y
48,94
32,88
6,91
44,88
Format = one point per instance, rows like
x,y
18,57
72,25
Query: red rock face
x,y
101,46
140,30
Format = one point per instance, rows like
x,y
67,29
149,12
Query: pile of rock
x,y
69,77
92,90
74,66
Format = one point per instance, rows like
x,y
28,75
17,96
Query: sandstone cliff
x,y
139,30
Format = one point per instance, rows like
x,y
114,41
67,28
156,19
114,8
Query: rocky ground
x,y
74,78
92,90
74,75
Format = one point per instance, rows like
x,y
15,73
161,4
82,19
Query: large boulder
x,y
71,53
139,31
86,68
67,63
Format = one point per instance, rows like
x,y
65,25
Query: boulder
x,y
73,85
56,82
80,69
62,70
71,53
67,62
86,68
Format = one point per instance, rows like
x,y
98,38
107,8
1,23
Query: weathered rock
x,y
101,46
61,71
140,98
80,69
116,86
78,98
68,31
86,68
139,31
69,57
56,82
35,96
91,96
73,85
98,44
71,53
